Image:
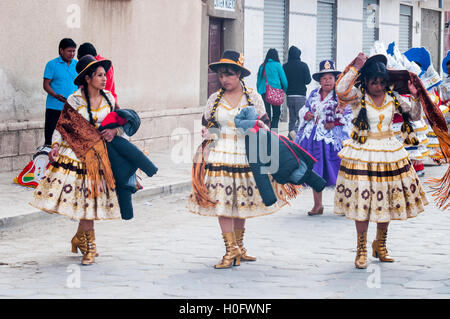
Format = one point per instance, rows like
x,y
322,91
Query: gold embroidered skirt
x,y
377,182
64,190
229,181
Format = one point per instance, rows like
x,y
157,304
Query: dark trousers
x,y
273,112
51,119
295,103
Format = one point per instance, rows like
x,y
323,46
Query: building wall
x,y
157,48
349,31
389,19
302,29
253,38
303,23
139,36
446,33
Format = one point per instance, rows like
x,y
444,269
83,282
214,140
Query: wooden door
x,y
215,50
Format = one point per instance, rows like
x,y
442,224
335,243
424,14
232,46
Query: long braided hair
x,y
85,90
229,70
407,128
377,70
200,192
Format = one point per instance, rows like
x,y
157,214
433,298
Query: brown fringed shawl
x,y
438,124
200,192
399,79
90,148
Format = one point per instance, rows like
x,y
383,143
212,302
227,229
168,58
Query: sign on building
x,y
228,5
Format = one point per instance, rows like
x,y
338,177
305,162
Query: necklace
x,y
234,105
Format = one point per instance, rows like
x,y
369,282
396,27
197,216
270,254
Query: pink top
x,y
109,78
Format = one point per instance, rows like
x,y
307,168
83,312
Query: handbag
x,y
273,96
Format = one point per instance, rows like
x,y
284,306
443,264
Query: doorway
x,y
431,35
215,50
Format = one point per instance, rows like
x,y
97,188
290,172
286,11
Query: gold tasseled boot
x,y
79,242
361,251
89,256
240,242
233,253
379,249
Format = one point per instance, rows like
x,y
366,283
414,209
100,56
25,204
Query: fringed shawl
x,y
438,124
90,148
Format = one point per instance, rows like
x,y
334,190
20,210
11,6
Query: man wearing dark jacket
x,y
298,76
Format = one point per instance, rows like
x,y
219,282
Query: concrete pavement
x,y
166,252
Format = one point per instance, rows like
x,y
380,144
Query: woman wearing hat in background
x,y
65,190
322,130
376,181
226,188
271,72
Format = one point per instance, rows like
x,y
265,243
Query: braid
x,y
85,90
107,99
212,121
247,94
361,122
407,128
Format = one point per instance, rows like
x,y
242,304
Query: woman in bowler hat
x,y
322,130
377,181
65,189
224,187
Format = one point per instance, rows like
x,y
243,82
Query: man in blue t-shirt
x,y
58,83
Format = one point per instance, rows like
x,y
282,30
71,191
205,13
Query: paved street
x,y
166,252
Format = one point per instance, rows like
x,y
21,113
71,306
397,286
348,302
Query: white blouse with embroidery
x,y
78,102
380,118
230,146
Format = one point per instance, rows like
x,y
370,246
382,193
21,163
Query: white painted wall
x,y
154,46
303,23
302,29
349,31
253,38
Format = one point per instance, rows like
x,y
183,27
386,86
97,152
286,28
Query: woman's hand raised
x,y
359,61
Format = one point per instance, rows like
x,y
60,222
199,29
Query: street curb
x,y
149,193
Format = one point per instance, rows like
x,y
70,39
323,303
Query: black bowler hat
x,y
326,66
87,62
377,58
231,58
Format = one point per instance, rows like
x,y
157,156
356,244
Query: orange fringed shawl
x,y
438,124
86,142
201,195
200,192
